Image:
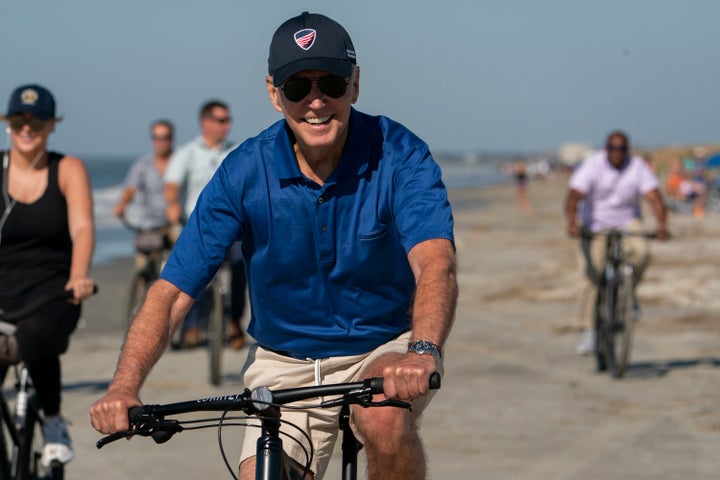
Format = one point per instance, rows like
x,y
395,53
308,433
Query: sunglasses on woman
x,y
298,88
18,122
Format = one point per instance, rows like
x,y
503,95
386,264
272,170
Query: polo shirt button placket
x,y
320,201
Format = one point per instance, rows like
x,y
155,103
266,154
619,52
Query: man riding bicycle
x,y
347,236
145,181
609,185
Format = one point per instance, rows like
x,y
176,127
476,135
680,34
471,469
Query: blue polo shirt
x,y
327,265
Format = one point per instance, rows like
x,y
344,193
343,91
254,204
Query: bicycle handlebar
x,y
38,303
589,235
149,420
137,229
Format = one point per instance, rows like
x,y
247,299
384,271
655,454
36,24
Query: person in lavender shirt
x,y
607,189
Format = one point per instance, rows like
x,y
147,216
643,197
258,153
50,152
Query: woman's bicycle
x,y
21,425
263,404
615,305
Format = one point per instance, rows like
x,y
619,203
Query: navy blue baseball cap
x,y
32,99
310,41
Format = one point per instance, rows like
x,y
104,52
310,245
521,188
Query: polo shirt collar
x,y
612,167
355,153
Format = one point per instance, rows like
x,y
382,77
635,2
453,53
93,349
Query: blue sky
x,y
511,75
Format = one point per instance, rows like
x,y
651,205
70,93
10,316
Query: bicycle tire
x,y
622,326
216,334
136,297
600,320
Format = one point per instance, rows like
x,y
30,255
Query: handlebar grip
x,y
435,381
135,415
376,384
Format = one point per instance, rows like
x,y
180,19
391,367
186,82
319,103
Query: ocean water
x,y
107,175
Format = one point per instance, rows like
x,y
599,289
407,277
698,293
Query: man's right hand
x,y
119,210
110,413
573,229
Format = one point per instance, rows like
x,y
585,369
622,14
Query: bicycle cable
x,y
221,423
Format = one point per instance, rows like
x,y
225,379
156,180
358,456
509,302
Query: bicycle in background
x,y
21,437
152,247
616,305
264,405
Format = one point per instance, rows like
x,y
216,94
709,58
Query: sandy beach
x,y
517,402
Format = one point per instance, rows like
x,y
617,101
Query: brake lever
x,y
387,403
364,399
161,431
113,437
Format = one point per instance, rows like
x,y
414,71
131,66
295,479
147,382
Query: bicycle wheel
x,y
136,296
600,321
215,333
621,327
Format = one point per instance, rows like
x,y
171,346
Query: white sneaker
x,y
587,342
58,447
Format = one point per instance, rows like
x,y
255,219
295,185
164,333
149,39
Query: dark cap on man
x,y
32,99
310,41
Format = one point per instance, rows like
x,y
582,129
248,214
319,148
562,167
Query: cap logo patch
x,y
305,38
29,96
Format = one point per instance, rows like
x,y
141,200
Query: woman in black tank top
x,y
46,243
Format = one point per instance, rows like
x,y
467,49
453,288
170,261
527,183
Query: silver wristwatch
x,y
422,347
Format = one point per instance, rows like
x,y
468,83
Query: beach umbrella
x,y
713,161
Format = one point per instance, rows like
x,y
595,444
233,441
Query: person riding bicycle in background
x,y
145,185
191,168
47,238
609,186
347,235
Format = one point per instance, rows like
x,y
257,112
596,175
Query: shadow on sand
x,y
89,386
660,368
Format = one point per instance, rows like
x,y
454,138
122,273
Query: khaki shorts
x,y
269,369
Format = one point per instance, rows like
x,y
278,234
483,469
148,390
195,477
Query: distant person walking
x,y
47,237
608,187
521,181
145,185
191,168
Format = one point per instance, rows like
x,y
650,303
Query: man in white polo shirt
x,y
190,169
608,187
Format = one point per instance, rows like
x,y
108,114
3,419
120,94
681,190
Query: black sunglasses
x,y
298,88
18,122
616,148
220,120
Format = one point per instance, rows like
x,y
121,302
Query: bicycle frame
x,y
23,463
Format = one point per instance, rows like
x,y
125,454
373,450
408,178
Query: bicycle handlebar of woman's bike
x,y
589,234
38,303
